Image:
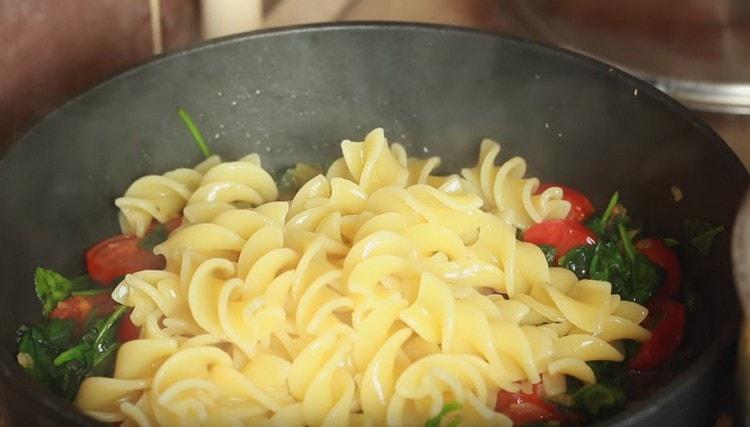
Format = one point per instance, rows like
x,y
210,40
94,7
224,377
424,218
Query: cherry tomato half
x,y
561,234
668,320
127,331
580,206
524,408
661,255
117,256
79,308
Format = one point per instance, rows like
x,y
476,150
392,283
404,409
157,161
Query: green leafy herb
x,y
632,275
295,177
670,242
195,132
610,373
600,224
646,278
611,206
38,345
93,355
447,408
52,287
90,292
614,258
153,238
597,400
627,244
54,355
702,234
609,264
549,253
578,260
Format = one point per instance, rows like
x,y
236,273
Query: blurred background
x,y
696,50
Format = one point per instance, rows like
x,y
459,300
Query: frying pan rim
x,y
14,375
575,57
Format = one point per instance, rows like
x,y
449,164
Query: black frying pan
x,y
293,94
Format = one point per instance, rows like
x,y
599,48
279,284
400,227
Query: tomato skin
x,y
666,334
656,251
561,234
79,308
119,255
127,331
580,205
524,408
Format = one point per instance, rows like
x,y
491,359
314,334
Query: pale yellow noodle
x,y
378,294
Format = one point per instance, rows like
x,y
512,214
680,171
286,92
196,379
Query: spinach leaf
x,y
155,237
614,259
610,373
610,265
632,275
670,242
39,344
614,213
549,253
92,292
597,400
646,278
447,408
195,132
52,287
52,354
702,234
93,355
578,260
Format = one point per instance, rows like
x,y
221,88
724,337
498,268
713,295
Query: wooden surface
x,y
52,50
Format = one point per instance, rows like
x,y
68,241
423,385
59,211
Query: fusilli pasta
x,y
375,296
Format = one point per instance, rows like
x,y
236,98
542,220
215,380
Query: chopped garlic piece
x,y
677,193
25,360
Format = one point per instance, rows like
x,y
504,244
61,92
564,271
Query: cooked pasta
x,y
378,294
504,188
159,197
230,185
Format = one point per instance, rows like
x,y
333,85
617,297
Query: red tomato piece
x,y
561,234
79,308
173,224
117,256
580,206
524,408
668,320
664,257
127,331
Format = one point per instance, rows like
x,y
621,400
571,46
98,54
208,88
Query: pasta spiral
x,y
375,296
159,197
228,185
504,188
